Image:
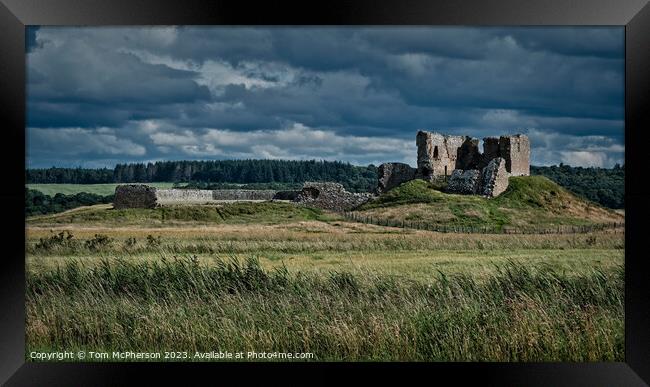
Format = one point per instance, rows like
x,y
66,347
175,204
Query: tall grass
x,y
520,313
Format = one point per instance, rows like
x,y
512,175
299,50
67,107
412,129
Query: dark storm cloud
x,y
600,42
82,82
30,38
175,93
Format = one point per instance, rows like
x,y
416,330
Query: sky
x,y
98,96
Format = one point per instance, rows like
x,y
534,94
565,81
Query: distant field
x,y
71,189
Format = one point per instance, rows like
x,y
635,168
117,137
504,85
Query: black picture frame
x,y
15,15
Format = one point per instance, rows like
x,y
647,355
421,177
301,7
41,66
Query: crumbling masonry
x,y
144,196
330,196
457,161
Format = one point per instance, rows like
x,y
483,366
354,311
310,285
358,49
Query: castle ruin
x,y
457,161
440,155
330,196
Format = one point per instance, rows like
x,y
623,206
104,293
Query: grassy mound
x,y
538,191
231,213
528,201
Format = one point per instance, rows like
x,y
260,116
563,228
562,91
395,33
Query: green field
x,y
71,189
270,277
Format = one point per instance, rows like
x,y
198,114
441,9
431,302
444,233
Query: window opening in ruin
x,y
445,170
518,147
435,152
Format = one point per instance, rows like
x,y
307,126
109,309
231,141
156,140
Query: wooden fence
x,y
560,229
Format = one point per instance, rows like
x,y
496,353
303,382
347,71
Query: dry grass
x,y
312,246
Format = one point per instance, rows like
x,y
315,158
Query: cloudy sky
x,y
98,96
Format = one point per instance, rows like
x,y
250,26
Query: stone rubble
x,y
466,182
330,196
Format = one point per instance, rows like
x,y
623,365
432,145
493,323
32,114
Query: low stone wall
x,y
330,196
194,196
242,194
393,174
144,196
173,196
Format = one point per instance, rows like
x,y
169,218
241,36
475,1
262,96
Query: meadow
x,y
270,277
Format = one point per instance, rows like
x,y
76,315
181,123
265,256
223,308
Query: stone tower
x,y
516,151
437,154
440,155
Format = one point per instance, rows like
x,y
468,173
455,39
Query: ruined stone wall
x,y
425,154
494,178
490,151
491,181
393,174
466,182
516,152
437,153
183,196
469,156
197,196
134,196
330,196
144,196
243,194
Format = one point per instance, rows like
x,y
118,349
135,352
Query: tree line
x,y
355,178
37,203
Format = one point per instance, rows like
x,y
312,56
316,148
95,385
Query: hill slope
x,y
227,213
529,201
